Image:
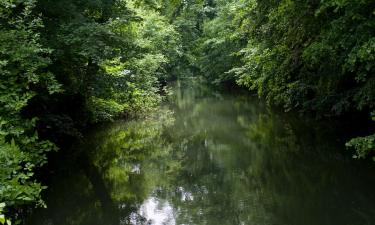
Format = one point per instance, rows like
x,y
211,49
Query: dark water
x,y
210,159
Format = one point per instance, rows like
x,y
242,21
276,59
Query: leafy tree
x,y
220,43
69,63
23,76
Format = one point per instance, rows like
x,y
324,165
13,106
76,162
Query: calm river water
x,y
210,158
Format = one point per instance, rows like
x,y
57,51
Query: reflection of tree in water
x,y
105,183
121,156
244,166
217,160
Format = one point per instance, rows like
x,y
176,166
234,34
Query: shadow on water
x,y
211,158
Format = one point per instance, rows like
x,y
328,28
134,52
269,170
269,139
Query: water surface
x,y
210,158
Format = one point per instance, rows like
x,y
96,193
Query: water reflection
x,y
154,211
209,158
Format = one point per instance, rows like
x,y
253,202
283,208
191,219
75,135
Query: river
x,y
207,157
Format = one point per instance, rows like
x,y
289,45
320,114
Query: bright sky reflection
x,y
157,212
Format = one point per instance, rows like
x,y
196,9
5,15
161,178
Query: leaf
x,y
2,219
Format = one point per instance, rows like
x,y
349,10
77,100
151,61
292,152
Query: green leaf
x,y
2,219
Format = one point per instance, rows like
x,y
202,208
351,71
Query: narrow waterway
x,y
210,158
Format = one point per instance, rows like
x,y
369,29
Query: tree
x,y
23,76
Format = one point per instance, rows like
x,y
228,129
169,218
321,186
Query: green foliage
x,y
219,44
22,76
3,219
363,145
309,56
321,63
78,62
130,85
293,64
187,17
104,110
157,36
